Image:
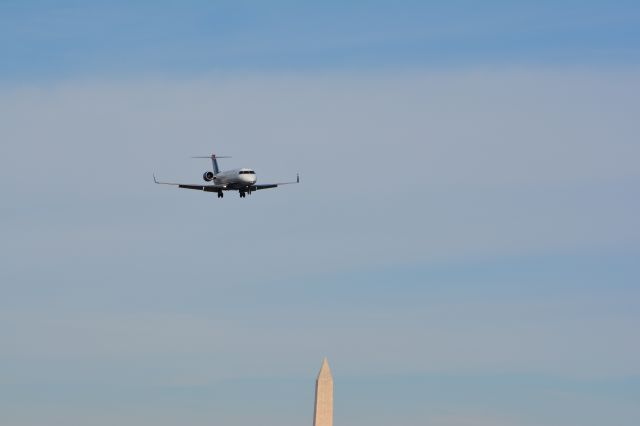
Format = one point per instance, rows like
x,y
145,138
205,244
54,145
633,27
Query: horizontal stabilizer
x,y
214,161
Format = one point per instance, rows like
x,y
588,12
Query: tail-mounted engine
x,y
207,176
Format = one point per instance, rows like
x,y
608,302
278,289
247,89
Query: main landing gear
x,y
243,194
220,194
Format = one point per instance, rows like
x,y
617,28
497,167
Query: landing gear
x,y
243,194
220,194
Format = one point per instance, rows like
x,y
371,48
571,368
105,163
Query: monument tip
x,y
325,370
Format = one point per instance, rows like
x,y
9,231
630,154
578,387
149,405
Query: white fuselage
x,y
236,178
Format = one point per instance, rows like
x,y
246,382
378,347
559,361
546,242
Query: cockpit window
x,y
247,172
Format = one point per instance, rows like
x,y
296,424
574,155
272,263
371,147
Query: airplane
x,y
242,180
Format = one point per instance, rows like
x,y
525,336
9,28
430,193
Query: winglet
x,y
154,178
297,177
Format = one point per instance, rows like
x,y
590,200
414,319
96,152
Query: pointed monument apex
x,y
325,371
323,410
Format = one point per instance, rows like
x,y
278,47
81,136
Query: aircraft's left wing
x,y
273,185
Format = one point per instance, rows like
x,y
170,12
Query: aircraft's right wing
x,y
206,188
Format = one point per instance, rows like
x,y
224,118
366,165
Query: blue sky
x,y
479,265
61,39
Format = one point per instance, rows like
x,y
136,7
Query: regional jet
x,y
242,180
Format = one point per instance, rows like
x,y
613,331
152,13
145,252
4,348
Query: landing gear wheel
x,y
220,194
242,194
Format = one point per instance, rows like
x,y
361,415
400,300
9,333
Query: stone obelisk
x,y
323,412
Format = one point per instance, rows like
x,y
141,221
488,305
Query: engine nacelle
x,y
207,176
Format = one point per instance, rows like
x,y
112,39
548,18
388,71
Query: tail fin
x,y
214,162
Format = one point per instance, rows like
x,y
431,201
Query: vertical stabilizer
x,y
214,162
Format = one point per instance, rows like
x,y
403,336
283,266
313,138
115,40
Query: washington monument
x,y
323,411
